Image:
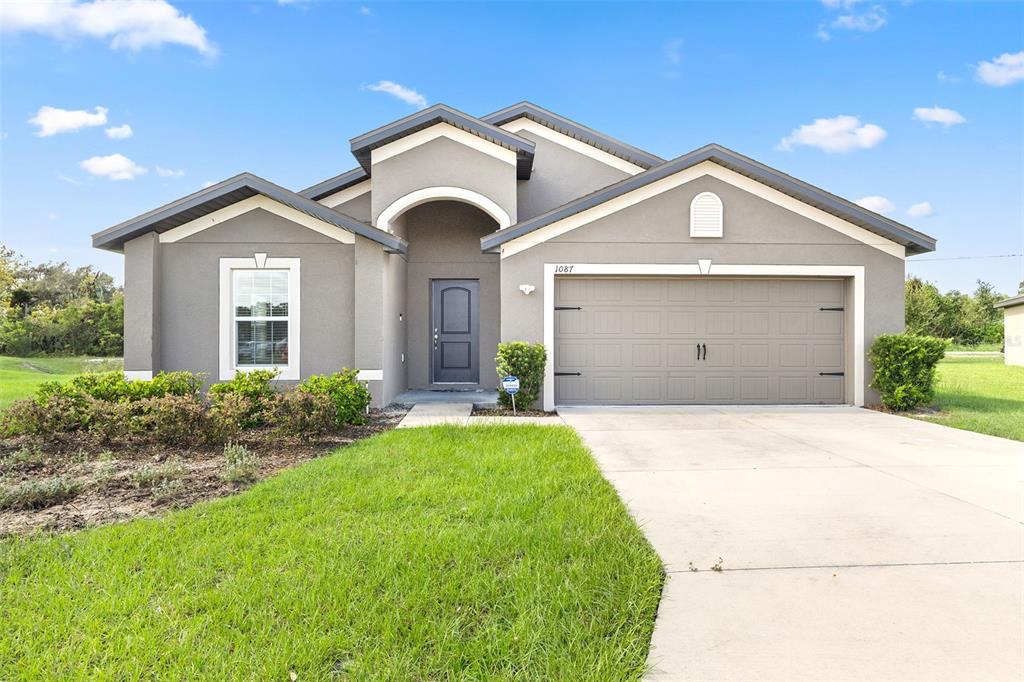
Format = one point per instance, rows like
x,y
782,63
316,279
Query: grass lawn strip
x,y
492,552
19,377
980,394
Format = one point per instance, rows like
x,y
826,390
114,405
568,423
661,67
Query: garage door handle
x,y
831,374
568,374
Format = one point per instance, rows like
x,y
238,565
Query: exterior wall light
x,y
527,288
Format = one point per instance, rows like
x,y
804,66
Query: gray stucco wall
x,y
444,162
756,231
189,307
444,243
141,304
559,176
358,208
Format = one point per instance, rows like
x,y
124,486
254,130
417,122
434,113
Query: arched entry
x,y
422,196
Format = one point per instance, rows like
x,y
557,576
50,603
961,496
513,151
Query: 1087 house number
x,y
563,269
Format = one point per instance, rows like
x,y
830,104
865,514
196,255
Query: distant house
x,y
1013,333
707,278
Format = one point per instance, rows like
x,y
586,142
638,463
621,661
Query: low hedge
x,y
525,361
904,367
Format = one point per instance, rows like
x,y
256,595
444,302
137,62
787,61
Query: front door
x,y
455,331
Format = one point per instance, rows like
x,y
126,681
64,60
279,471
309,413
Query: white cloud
x,y
365,11
407,95
943,77
169,173
122,132
838,134
946,117
866,22
113,167
876,203
920,210
128,24
673,51
53,121
1003,70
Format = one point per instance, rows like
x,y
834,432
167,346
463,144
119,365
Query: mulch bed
x,y
503,412
106,474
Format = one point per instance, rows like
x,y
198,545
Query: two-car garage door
x,y
635,341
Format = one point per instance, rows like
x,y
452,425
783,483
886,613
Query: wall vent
x,y
706,215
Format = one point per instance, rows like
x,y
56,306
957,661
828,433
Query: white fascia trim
x,y
227,367
251,204
348,194
572,143
138,374
712,169
422,196
370,375
404,144
856,272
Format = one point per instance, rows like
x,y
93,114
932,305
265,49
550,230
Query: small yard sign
x,y
511,386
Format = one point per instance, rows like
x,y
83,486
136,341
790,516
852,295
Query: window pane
x,y
261,293
262,342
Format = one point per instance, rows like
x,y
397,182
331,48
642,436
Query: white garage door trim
x,y
706,268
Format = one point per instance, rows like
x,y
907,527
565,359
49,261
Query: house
x,y
1013,330
708,278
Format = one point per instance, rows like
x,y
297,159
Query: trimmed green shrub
x,y
47,417
350,397
255,391
113,387
175,420
303,414
523,360
905,369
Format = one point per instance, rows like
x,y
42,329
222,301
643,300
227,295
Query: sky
x,y
112,108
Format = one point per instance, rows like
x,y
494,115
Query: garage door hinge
x,y
568,307
568,374
836,309
831,374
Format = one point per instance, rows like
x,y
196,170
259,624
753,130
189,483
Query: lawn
x,y
976,348
19,377
491,552
980,394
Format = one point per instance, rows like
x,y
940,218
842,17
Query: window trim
x,y
228,351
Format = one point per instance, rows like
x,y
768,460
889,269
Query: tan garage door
x,y
635,341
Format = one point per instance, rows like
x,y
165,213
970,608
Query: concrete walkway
x,y
855,545
431,414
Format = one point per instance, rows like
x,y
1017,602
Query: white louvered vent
x,y
706,215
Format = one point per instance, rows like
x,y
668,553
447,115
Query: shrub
x,y
350,397
48,417
38,494
523,360
905,369
109,421
155,475
240,465
304,414
255,391
113,387
175,420
228,414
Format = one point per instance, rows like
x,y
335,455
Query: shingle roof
x,y
1010,302
336,184
576,130
914,241
228,192
364,144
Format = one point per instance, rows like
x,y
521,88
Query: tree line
x,y
967,319
53,309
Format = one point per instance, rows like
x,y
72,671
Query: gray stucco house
x,y
708,278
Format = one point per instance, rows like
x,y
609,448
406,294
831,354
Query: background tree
x,y
962,318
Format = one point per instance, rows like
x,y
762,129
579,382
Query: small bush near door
x,y
905,369
523,360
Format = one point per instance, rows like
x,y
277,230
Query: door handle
x,y
698,351
705,347
435,339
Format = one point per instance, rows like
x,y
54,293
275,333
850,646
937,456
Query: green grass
x,y
490,552
19,377
977,348
980,394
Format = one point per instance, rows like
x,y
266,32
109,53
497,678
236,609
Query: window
x,y
706,215
259,315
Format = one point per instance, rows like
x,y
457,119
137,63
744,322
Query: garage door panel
x,y
635,341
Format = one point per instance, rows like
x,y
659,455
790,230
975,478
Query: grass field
x,y
980,394
19,377
495,553
977,348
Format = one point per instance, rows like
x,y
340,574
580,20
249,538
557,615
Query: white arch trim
x,y
422,196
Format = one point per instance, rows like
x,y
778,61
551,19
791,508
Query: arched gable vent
x,y
706,215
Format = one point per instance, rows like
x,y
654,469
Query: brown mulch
x,y
105,474
503,412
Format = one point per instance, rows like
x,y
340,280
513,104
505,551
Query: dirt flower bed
x,y
65,483
503,412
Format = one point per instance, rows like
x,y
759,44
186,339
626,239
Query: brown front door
x,y
455,331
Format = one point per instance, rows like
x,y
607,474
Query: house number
x,y
563,268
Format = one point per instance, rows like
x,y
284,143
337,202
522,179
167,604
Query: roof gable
x,y
914,242
229,192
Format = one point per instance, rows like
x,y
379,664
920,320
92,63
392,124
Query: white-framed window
x,y
706,215
259,315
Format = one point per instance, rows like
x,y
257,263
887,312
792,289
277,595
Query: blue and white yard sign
x,y
510,384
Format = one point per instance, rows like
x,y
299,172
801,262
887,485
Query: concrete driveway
x,y
854,545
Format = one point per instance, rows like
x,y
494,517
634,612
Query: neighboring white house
x,y
1013,334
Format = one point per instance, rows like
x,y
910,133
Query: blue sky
x,y
825,91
